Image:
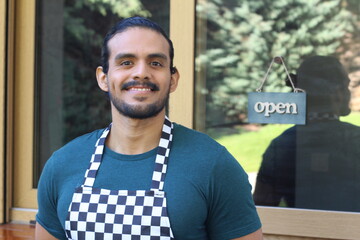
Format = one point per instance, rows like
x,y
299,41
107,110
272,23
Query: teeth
x,y
141,89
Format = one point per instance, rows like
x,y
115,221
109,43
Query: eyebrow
x,y
130,55
158,55
124,55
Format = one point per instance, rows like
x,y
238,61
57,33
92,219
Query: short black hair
x,y
131,22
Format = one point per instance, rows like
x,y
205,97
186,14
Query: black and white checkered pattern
x,y
121,214
162,156
96,158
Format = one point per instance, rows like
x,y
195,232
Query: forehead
x,y
138,41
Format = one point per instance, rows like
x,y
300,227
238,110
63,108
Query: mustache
x,y
134,83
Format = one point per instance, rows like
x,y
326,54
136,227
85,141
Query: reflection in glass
x,y
69,37
235,42
315,166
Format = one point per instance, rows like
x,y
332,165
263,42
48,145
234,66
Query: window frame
x,y
3,60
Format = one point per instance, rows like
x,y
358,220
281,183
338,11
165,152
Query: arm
x,y
266,189
232,211
252,236
48,225
42,234
276,176
265,194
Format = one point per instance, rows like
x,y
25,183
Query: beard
x,y
139,111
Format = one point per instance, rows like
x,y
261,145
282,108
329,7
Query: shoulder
x,y
73,156
190,144
88,139
350,128
67,165
192,140
286,138
79,145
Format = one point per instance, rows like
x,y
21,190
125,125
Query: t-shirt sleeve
x,y
232,212
47,202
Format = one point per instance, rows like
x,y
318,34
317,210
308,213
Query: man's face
x,y
139,79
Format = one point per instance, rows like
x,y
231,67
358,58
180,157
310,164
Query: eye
x,y
126,63
156,64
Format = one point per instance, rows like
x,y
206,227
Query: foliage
x,y
122,8
243,36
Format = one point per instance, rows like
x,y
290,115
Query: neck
x,y
135,136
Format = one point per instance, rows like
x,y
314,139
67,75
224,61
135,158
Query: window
x,y
314,166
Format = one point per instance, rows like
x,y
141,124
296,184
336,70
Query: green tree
x,y
244,35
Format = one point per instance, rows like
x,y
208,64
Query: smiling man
x,y
143,177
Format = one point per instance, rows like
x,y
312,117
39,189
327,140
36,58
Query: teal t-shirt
x,y
208,193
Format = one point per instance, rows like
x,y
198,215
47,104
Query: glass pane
x,y
69,38
313,166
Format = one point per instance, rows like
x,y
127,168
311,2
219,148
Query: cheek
x,y
112,88
166,87
113,82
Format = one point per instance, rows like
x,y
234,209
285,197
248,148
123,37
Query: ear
x,y
174,80
101,78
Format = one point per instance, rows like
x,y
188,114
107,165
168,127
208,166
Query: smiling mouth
x,y
140,87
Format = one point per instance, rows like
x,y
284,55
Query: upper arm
x,y
42,234
232,211
252,236
47,216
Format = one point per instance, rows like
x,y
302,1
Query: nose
x,y
141,71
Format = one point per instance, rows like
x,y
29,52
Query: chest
x,y
186,197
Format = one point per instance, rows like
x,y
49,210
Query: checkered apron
x,y
121,214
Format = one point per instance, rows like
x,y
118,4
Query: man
x,y
208,195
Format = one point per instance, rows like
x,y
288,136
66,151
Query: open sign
x,y
284,108
270,108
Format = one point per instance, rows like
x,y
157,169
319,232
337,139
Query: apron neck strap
x,y
162,156
96,159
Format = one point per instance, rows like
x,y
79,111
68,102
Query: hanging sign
x,y
273,107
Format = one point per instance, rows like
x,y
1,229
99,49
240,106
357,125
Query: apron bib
x,y
121,214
